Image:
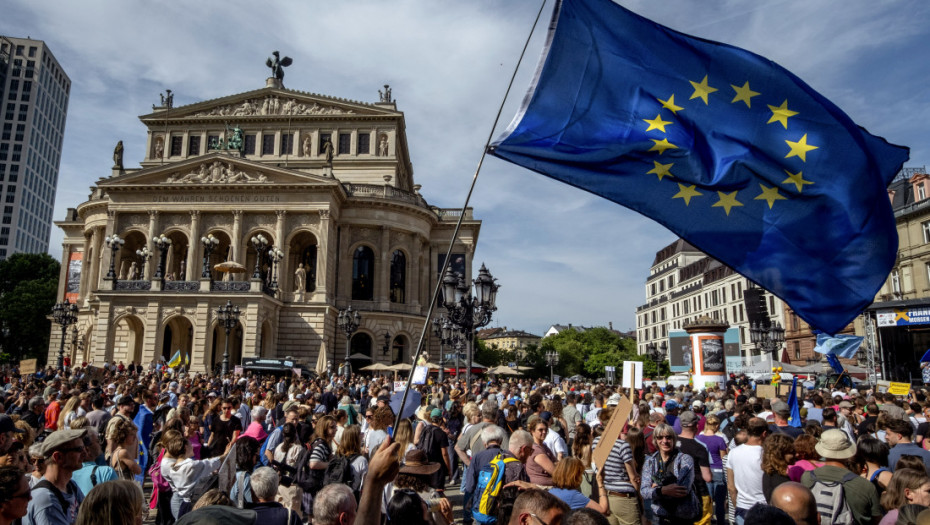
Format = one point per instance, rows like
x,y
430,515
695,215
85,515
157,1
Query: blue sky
x,y
560,254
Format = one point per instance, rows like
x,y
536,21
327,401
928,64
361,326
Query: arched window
x,y
308,259
398,277
363,282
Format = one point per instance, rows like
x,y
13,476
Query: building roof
x,y
679,246
502,332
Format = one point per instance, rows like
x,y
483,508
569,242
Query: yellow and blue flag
x,y
724,147
175,359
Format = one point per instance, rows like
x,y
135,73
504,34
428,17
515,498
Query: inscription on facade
x,y
216,198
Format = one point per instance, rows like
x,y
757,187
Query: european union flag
x,y
724,147
835,364
795,419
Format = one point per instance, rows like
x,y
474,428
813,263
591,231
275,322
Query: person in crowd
x,y
717,447
35,415
91,474
538,507
381,419
403,436
124,449
744,470
907,486
873,454
621,479
118,501
566,482
667,480
265,482
493,437
554,440
15,495
541,464
37,460
435,442
837,449
225,428
212,497
247,458
797,501
7,430
899,434
351,448
183,472
805,457
781,412
581,444
56,497
288,458
699,454
415,475
291,415
777,456
334,505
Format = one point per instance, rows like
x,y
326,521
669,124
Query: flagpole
x,y
458,224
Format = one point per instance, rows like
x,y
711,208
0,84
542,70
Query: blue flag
x,y
843,345
835,363
724,147
795,418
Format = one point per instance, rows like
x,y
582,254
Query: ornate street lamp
x,y
145,254
162,243
767,337
552,359
469,313
442,329
348,321
275,255
114,242
657,353
260,243
387,343
65,314
228,316
209,244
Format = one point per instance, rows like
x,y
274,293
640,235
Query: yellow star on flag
x,y
657,123
727,201
744,94
781,114
701,90
662,145
686,192
769,195
670,104
797,179
800,148
661,170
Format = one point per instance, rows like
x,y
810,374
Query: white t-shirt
x,y
555,443
591,418
746,463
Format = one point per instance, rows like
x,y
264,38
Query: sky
x,y
560,255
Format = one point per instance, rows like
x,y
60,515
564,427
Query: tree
x,y
28,287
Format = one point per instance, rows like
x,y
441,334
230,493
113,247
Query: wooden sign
x,y
612,432
27,366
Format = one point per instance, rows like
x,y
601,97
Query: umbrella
x,y
230,267
321,362
410,408
377,367
432,366
504,370
359,355
399,367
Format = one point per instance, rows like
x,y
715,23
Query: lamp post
x,y
260,243
65,314
145,254
348,321
552,359
209,244
657,353
114,242
228,316
162,243
466,312
767,337
275,254
387,344
442,329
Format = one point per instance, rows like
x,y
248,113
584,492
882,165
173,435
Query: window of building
x,y
925,227
193,146
287,144
921,192
32,51
398,277
324,138
895,282
177,145
363,265
364,144
249,144
345,141
797,350
267,144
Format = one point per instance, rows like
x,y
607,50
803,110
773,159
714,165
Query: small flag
x,y
175,359
795,418
835,363
842,345
187,359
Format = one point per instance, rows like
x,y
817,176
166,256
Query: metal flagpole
x,y
458,225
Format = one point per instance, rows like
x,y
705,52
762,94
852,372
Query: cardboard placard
x,y
768,391
399,386
633,374
28,366
612,432
899,389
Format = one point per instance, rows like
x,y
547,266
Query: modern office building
x,y
34,91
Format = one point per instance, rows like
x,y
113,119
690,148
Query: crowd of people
x,y
117,445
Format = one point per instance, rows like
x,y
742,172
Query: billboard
x,y
73,283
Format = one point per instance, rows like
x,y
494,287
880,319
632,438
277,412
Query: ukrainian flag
x,y
175,359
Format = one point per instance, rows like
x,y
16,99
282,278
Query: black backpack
x,y
730,430
340,470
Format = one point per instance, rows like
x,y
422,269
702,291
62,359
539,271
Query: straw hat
x,y
416,462
835,444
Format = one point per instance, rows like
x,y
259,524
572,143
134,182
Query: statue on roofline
x,y
278,64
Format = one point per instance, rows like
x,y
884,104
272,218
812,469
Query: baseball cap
x,y
435,413
6,425
688,418
780,407
671,404
614,400
697,403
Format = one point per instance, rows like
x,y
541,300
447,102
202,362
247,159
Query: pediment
x,y
216,170
270,103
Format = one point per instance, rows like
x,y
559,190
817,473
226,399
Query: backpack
x,y
487,491
340,471
261,452
831,500
730,430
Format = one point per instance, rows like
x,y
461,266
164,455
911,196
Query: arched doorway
x,y
250,255
176,260
128,264
302,250
399,350
178,336
361,349
128,335
219,347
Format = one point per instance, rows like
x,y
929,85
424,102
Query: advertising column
x,y
709,366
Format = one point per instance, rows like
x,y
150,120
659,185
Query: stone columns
x,y
153,261
194,249
324,238
234,242
383,271
97,263
282,264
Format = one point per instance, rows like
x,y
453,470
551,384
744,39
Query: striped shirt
x,y
616,478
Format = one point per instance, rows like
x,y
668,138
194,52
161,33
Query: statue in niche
x,y
383,146
234,137
300,282
133,271
278,64
328,153
183,271
307,144
159,147
118,156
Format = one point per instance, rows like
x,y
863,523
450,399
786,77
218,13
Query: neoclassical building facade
x,y
325,182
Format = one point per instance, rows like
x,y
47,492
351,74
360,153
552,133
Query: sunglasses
x,y
665,438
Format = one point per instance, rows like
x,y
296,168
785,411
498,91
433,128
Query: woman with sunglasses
x,y
541,464
224,429
667,479
15,494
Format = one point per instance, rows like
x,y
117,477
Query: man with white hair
x,y
334,505
493,436
264,481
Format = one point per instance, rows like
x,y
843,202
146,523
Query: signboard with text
x,y
903,316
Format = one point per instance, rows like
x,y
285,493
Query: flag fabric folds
x,y
926,357
175,359
724,147
795,419
843,345
835,364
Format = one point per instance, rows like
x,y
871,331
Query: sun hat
x,y
835,444
416,462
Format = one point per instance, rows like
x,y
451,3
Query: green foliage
x,y
490,356
28,288
588,352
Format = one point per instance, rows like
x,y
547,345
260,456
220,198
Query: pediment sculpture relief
x,y
217,173
271,105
